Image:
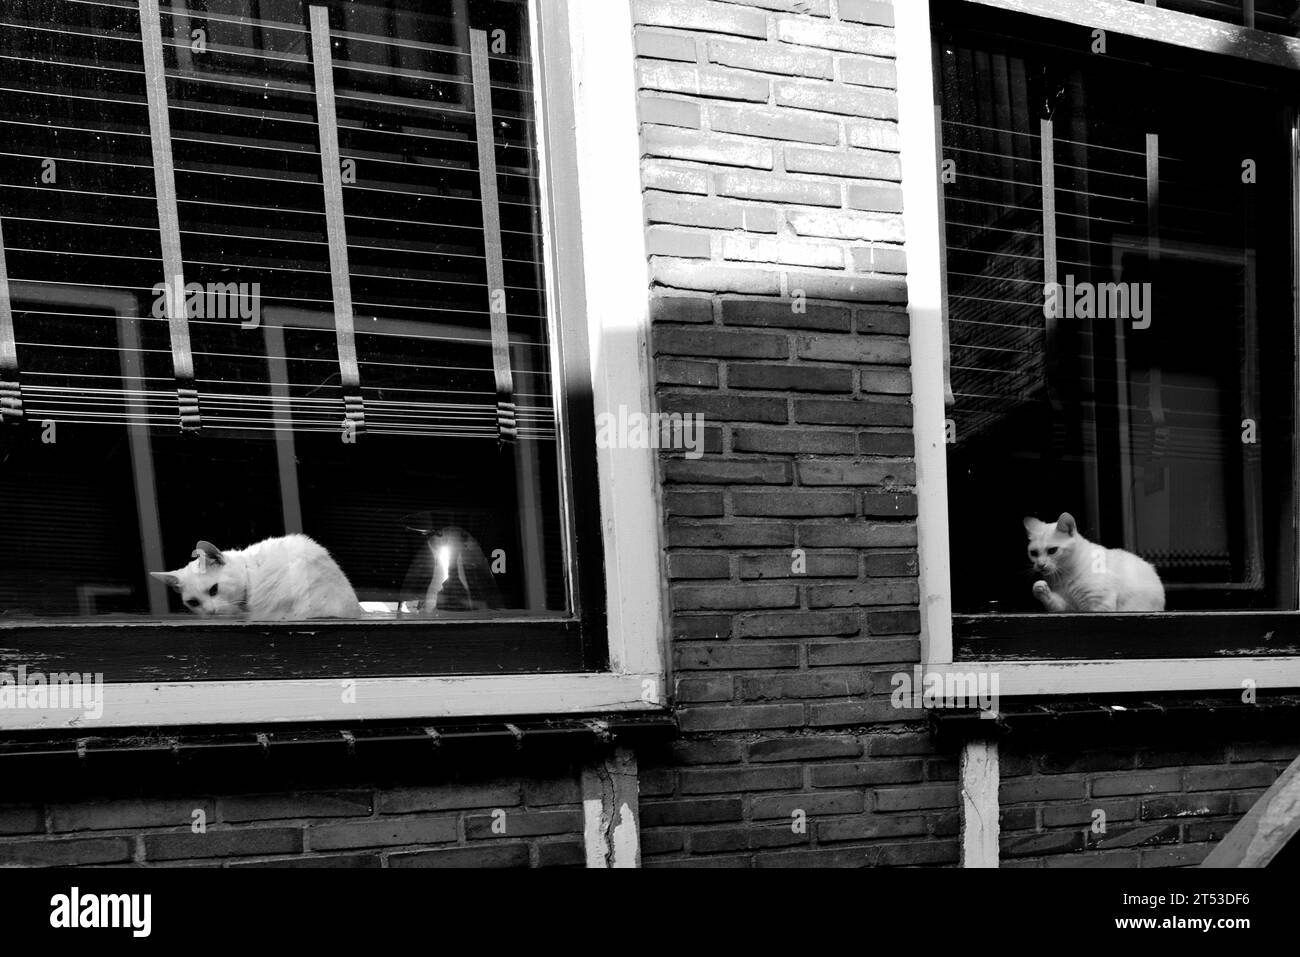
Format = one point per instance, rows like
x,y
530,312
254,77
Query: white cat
x,y
287,578
1081,576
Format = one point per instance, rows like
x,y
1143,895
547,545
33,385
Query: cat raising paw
x,y
1080,576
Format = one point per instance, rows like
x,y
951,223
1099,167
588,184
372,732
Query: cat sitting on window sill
x,y
1078,575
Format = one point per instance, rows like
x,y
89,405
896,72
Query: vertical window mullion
x,y
155,79
11,397
507,428
335,225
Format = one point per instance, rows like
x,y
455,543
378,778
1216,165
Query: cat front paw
x,y
1042,591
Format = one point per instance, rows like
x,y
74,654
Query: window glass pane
x,y
442,504
1275,16
1122,330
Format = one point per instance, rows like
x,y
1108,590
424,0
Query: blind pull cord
x,y
155,80
507,419
354,413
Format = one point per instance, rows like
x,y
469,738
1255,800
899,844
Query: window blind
x,y
420,312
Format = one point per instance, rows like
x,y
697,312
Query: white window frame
x,y
921,204
584,71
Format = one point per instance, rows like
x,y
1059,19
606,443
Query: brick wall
x,y
514,815
772,199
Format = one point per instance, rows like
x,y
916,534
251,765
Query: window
x,y
279,267
1118,334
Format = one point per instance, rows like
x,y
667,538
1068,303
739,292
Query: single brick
x,y
1035,788
798,624
240,842
859,164
881,504
702,15
916,797
846,224
1055,763
730,534
851,412
878,380
523,824
266,807
684,274
708,752
719,84
676,813
771,58
686,372
880,591
448,797
868,11
1047,842
559,790
863,828
856,535
669,111
874,135
816,565
383,832
733,597
783,313
708,565
882,320
1075,815
1186,805
811,747
715,214
892,743
21,820
710,148
663,45
848,713
795,503
793,441
865,774
856,472
894,622
713,657
789,378
884,350
790,252
867,71
835,98
731,780
850,38
710,472
701,627
655,174
693,503
881,442
681,309
1141,835
1140,782
892,564
873,288
562,854
741,718
879,199
772,124
67,852
886,259
728,408
777,188
719,343
315,861
487,855
1232,776
823,684
768,806
865,652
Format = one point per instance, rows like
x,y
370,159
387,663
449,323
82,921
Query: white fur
x,y
286,578
1081,576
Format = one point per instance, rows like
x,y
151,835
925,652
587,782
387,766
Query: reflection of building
x,y
772,172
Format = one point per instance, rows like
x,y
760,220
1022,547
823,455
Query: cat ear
x,y
1065,524
1031,524
208,553
168,579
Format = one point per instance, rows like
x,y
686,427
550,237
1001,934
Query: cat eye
x,y
212,590
1050,551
